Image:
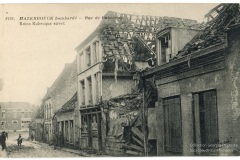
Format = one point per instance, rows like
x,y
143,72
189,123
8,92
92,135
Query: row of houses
x,y
145,85
15,116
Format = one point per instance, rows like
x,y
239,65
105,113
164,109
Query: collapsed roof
x,y
222,17
122,34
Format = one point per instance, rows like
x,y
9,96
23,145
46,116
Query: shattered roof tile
x,y
214,33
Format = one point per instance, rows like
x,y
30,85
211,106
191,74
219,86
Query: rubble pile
x,y
214,33
125,114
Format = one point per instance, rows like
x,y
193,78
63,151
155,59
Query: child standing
x,y
19,141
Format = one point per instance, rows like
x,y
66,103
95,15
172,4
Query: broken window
x,y
205,119
165,48
172,124
88,56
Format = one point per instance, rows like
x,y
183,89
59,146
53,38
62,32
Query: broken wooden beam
x,y
138,133
133,147
137,141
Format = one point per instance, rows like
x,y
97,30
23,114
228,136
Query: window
x,y
165,48
50,111
83,92
205,118
3,114
97,89
95,52
47,111
90,90
22,114
88,56
172,124
81,65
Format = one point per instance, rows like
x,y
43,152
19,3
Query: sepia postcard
x,y
119,80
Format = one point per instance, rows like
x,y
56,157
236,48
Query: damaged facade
x,y
145,85
198,109
107,62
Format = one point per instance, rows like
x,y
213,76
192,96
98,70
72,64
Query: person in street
x,y
32,136
54,140
3,140
6,134
19,141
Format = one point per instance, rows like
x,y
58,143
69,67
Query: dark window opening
x,y
88,55
83,92
205,121
165,48
90,90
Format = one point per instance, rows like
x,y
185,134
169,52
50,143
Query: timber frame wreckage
x,y
150,86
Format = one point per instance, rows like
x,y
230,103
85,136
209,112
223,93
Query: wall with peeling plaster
x,y
234,80
112,88
225,80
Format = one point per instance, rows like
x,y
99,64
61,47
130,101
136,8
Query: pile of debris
x,y
126,116
214,33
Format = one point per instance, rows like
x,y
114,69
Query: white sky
x,y
32,57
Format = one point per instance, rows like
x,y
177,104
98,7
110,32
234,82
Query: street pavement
x,y
31,149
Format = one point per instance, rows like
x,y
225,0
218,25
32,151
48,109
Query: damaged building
x,y
152,86
197,112
109,64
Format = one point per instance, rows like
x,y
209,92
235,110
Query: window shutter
x,y
197,121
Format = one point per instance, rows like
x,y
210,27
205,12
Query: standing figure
x,y
54,140
32,136
3,140
19,141
6,133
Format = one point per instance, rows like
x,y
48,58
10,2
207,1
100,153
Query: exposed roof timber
x,y
215,11
214,31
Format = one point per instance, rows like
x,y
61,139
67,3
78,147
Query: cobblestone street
x,y
31,149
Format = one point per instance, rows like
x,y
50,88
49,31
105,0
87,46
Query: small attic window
x,y
164,48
